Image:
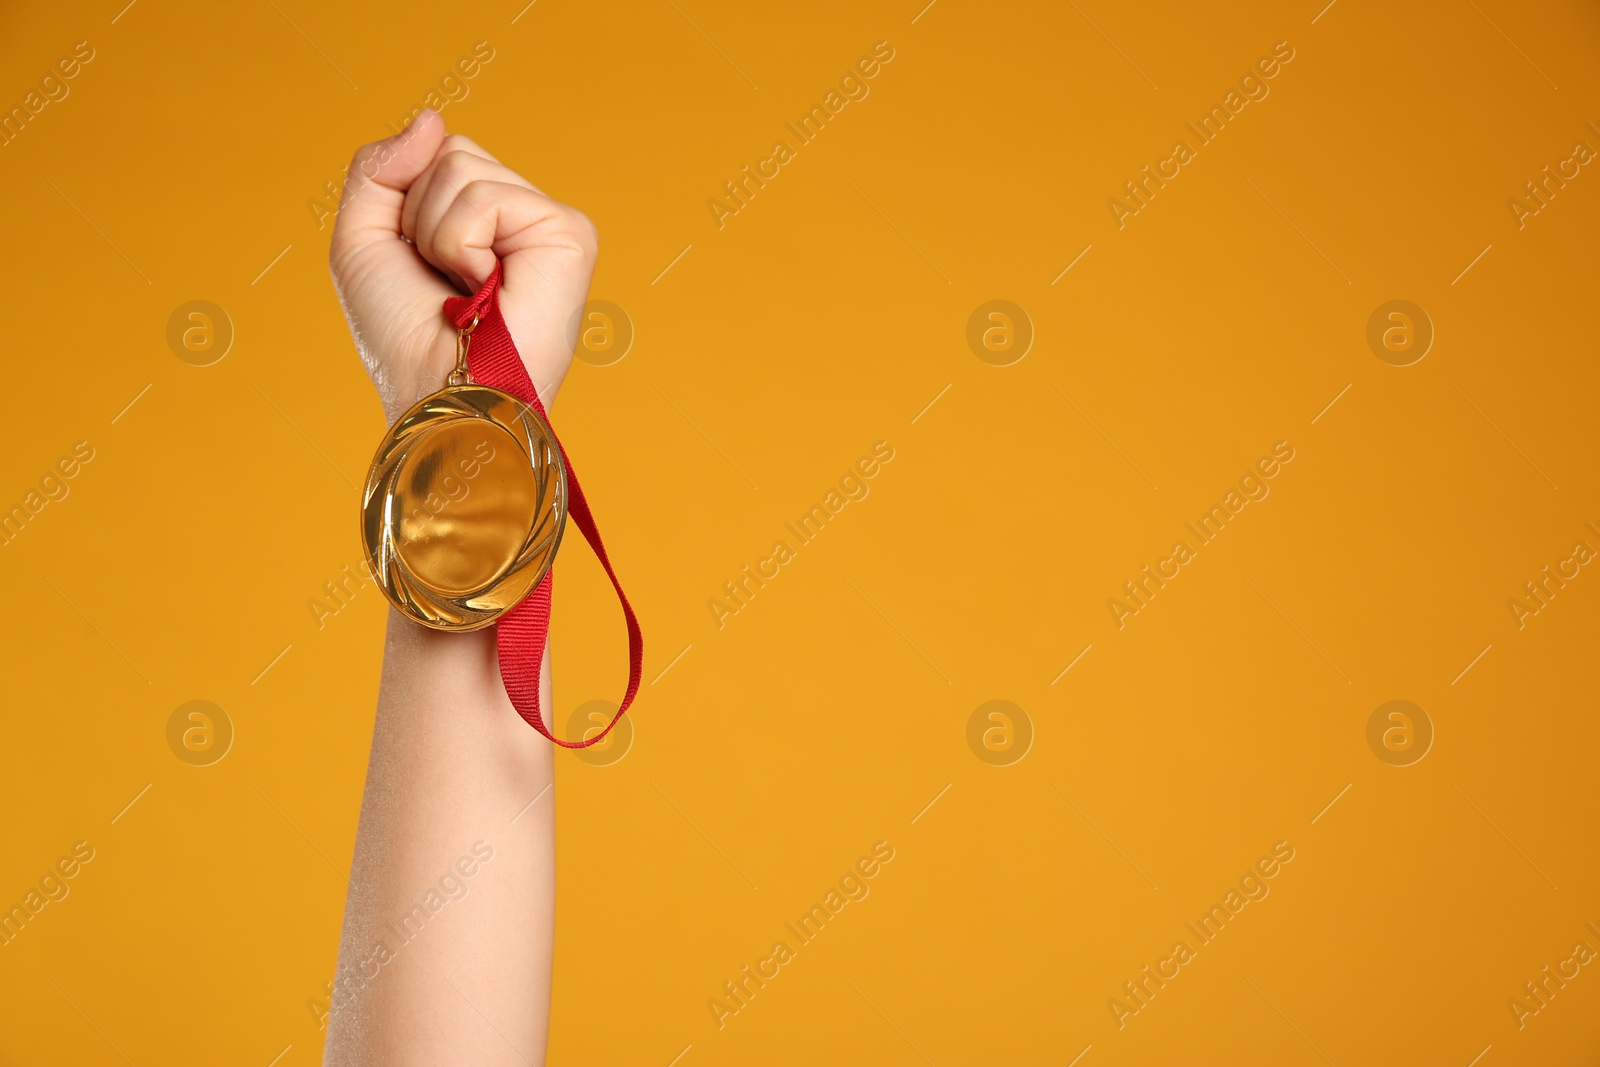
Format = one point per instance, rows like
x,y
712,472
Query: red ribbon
x,y
522,632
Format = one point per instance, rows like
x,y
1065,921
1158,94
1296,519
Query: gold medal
x,y
465,504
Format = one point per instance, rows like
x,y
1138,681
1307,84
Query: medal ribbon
x,y
522,633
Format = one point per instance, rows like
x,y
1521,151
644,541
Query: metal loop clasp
x,y
462,376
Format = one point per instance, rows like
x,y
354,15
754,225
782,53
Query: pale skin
x,y
453,768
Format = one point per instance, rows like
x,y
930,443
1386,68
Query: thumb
x,y
376,183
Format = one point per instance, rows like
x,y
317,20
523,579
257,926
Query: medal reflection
x,y
464,505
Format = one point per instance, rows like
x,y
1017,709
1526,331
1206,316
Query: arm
x,y
449,924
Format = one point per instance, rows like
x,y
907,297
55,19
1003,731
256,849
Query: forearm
x,y
438,965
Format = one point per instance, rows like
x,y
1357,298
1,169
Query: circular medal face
x,y
464,507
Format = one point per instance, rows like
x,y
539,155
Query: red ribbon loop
x,y
522,633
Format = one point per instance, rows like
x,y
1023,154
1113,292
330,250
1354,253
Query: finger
x,y
449,176
460,142
375,187
472,232
454,143
549,252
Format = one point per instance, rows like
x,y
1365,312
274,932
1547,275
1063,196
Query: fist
x,y
425,215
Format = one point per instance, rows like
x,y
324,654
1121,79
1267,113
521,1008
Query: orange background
x,y
828,713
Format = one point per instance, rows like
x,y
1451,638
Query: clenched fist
x,y
424,216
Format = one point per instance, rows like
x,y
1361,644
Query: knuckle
x,y
479,191
368,161
455,165
582,229
365,152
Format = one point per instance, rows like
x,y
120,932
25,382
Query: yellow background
x,y
828,713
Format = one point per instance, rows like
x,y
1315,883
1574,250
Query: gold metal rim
x,y
382,510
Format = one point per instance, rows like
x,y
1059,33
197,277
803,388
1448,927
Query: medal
x,y
465,504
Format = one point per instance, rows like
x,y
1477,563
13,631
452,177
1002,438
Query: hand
x,y
425,216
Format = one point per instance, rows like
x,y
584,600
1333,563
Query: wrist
x,y
442,659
